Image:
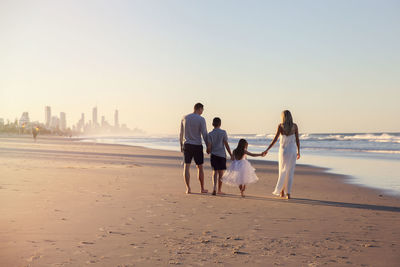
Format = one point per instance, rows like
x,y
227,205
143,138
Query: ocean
x,y
368,159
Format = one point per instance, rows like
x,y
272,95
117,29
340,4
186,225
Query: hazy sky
x,y
334,64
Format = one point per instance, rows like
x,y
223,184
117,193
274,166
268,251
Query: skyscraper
x,y
63,121
94,117
47,113
24,120
116,120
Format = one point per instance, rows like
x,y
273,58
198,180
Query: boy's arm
x,y
227,145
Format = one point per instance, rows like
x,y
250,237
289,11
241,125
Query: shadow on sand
x,y
313,202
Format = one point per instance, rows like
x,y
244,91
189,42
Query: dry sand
x,y
65,203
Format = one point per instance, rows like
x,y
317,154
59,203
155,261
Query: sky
x,y
334,64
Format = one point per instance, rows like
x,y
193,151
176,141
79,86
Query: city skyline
x,y
54,122
334,65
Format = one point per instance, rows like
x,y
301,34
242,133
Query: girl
x,y
240,172
287,153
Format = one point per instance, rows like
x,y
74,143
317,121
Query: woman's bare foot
x,y
203,191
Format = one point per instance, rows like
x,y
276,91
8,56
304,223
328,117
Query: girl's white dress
x,y
240,172
287,163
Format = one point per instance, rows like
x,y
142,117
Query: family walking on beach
x,y
240,172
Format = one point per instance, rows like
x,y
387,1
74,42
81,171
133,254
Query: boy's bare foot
x,y
214,193
220,193
204,191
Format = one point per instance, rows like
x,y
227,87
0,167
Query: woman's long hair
x,y
238,152
287,121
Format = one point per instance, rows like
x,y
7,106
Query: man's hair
x,y
198,106
216,122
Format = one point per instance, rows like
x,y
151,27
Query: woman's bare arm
x,y
252,154
278,132
297,141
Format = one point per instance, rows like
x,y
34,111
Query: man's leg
x,y
201,178
186,175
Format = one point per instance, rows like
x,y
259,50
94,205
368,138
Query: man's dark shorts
x,y
193,151
218,163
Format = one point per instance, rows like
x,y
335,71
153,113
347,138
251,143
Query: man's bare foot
x,y
204,191
220,193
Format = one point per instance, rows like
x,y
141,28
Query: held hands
x,y
264,153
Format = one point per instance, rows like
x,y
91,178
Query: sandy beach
x,y
67,203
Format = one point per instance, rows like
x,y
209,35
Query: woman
x,y
287,153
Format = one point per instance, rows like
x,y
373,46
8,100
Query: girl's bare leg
x,y
242,190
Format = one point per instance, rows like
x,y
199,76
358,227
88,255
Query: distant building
x,y
54,122
63,121
116,119
103,121
47,113
24,120
94,117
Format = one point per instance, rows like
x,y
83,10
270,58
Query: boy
x,y
217,142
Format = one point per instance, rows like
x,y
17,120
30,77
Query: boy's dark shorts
x,y
218,163
193,151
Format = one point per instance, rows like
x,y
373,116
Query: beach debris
x,y
368,245
173,262
87,243
238,252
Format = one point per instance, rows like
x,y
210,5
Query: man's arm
x,y
181,135
209,146
204,131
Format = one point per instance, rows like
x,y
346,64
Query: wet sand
x,y
65,203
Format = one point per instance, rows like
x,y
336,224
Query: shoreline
x,y
347,178
72,204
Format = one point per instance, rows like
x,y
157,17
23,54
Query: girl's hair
x,y
238,152
287,121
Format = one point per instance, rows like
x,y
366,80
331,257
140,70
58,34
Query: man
x,y
193,126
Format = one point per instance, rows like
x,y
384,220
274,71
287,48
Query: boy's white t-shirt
x,y
217,137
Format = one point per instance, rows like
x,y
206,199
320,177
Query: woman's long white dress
x,y
287,163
